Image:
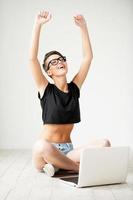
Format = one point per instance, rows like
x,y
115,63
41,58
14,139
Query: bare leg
x,y
44,152
75,154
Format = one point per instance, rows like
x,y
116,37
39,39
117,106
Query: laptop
x,y
100,166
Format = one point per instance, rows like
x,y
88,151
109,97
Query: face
x,y
57,66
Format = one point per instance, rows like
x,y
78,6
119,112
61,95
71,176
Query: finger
x,y
46,14
40,12
43,12
78,17
75,17
49,17
76,20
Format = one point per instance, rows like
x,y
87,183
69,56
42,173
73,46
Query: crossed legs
x,y
75,154
44,152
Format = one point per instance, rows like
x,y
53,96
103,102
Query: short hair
x,y
46,57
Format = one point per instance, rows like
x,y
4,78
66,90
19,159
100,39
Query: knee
x,y
42,147
39,154
106,143
38,165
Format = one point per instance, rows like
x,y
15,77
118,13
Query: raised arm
x,y
87,51
34,64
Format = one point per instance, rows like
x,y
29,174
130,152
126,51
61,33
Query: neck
x,y
61,83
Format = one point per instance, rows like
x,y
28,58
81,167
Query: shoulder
x,y
75,88
74,84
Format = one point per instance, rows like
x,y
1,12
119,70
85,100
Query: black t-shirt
x,y
59,107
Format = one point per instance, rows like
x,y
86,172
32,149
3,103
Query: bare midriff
x,y
57,133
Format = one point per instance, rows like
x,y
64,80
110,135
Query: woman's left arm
x,y
87,51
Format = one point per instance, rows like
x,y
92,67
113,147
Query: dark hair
x,y
46,57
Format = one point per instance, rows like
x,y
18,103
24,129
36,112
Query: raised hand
x,y
79,20
43,17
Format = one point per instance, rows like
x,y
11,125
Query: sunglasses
x,y
55,61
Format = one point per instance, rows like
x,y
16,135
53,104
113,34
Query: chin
x,y
63,73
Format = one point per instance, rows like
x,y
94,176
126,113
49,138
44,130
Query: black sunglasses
x,y
55,61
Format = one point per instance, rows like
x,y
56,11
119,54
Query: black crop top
x,y
59,107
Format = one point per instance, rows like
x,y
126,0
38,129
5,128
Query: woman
x,y
59,102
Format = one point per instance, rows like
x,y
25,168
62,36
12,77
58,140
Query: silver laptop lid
x,y
106,165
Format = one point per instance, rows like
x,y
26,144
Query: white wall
x,y
107,94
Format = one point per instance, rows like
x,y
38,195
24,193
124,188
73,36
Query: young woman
x,y
59,102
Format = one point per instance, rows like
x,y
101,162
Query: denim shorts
x,y
64,147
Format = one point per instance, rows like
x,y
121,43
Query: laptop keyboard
x,y
70,179
65,173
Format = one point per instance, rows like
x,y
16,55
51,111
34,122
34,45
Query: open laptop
x,y
100,166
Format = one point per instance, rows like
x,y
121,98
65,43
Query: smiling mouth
x,y
61,67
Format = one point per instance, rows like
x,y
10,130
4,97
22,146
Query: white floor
x,y
20,181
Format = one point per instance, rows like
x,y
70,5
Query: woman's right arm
x,y
40,80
